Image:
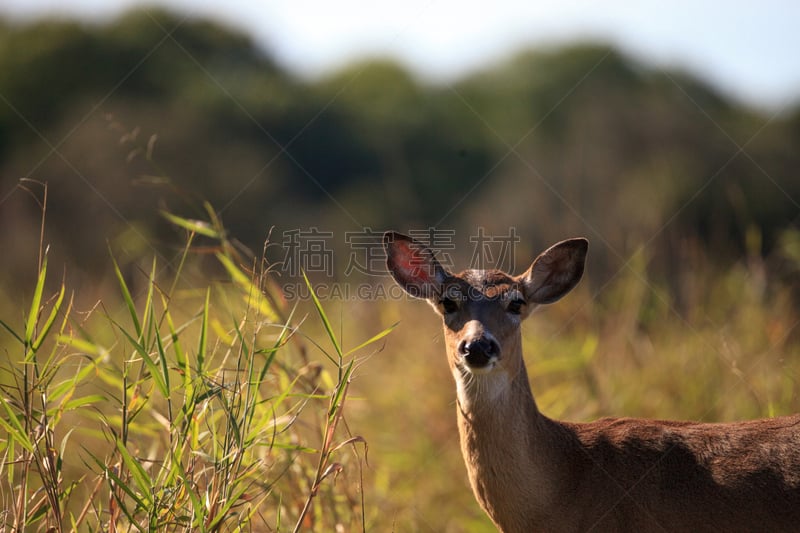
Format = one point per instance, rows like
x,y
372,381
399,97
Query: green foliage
x,y
580,140
198,416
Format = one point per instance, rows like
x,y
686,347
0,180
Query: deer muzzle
x,y
479,352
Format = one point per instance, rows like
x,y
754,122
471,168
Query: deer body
x,y
531,473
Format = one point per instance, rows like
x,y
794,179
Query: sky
x,y
749,50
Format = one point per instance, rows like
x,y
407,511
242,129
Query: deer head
x,y
482,309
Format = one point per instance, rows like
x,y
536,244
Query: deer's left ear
x,y
555,272
413,266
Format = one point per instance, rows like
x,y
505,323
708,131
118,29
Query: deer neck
x,y
509,448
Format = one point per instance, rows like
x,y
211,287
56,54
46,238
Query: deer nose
x,y
478,352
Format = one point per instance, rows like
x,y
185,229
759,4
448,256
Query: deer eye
x,y
448,305
515,306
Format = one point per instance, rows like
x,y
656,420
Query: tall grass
x,y
184,404
183,408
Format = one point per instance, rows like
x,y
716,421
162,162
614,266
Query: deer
x,y
532,473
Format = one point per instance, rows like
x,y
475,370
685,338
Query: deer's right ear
x,y
556,271
413,266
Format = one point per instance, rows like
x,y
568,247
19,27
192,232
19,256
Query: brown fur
x,y
531,473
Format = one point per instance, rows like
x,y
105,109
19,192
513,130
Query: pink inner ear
x,y
414,265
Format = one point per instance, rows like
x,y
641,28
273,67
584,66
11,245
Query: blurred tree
x,y
155,108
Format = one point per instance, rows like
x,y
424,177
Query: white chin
x,y
480,370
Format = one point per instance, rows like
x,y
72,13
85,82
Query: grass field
x,y
184,401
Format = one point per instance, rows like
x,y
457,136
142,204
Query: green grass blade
x,y
324,317
372,339
82,401
234,272
126,295
283,338
58,345
84,372
50,320
180,357
13,333
30,324
82,345
14,427
341,389
255,507
115,480
147,313
252,294
195,226
10,451
162,355
154,369
197,503
162,358
202,345
230,501
277,401
139,475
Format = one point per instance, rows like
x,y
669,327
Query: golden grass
x,y
215,406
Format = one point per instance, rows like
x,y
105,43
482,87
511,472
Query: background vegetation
x,y
158,387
